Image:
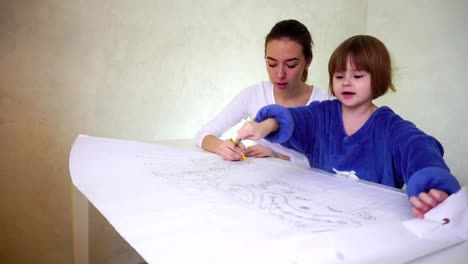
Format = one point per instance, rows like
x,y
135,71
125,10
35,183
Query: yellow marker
x,y
236,143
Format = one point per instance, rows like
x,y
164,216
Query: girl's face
x,y
352,87
285,63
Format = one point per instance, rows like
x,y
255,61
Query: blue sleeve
x,y
296,126
419,158
432,177
284,119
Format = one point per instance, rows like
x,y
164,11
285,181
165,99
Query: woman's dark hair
x,y
295,31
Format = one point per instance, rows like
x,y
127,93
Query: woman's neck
x,y
298,96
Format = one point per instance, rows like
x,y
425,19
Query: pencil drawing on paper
x,y
292,205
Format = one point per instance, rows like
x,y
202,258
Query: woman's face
x,y
285,63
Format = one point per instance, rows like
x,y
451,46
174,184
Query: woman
x,y
288,54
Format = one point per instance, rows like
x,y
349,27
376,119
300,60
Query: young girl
x,y
288,54
353,134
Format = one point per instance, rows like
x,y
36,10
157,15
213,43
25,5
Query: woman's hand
x,y
426,201
229,151
259,151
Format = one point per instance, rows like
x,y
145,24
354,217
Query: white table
x,y
81,211
454,254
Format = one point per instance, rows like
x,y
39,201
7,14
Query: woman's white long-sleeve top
x,y
245,106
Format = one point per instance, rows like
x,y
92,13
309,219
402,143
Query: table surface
x,y
455,254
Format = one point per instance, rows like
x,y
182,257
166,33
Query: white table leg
x,y
80,228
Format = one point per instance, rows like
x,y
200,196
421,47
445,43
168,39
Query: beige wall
x,y
118,68
429,45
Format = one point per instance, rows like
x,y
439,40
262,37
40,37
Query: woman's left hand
x,y
258,151
426,201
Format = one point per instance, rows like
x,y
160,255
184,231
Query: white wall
x,y
158,69
429,45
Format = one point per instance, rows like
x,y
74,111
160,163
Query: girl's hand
x,y
255,131
426,201
228,150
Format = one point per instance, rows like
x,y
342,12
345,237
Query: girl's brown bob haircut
x,y
368,54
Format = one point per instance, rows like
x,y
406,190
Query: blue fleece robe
x,y
386,149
